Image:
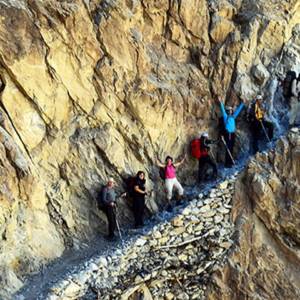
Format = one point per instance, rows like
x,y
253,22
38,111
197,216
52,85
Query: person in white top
x,y
294,103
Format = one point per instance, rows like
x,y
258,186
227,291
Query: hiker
x,y
171,180
139,193
258,123
228,133
109,199
205,157
294,102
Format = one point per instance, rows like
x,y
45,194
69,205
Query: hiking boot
x,y
112,238
169,208
201,185
178,202
139,226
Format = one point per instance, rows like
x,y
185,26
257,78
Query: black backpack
x,y
250,114
287,84
130,182
99,198
162,172
221,126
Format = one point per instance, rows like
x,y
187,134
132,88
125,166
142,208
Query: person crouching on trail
x,y
171,180
258,123
139,193
109,199
205,157
229,134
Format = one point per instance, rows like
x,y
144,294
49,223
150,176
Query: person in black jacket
x,y
205,157
258,123
139,193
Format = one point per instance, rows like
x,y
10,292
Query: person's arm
x,y
158,163
224,114
180,162
239,109
136,188
122,195
294,88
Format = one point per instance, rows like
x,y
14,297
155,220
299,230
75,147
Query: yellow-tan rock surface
x,y
92,89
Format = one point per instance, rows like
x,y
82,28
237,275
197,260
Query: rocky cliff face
x,y
91,89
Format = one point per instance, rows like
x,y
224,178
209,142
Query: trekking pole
x,y
262,125
228,150
212,154
118,226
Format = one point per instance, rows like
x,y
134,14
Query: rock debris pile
x,y
173,260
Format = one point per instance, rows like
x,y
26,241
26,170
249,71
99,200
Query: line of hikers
x,y
200,149
167,170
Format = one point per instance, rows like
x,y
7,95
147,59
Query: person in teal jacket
x,y
229,132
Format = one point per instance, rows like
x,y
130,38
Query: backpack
x,y
162,171
249,113
221,126
287,84
130,182
99,198
195,148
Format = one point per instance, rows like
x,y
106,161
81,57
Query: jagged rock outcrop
x,y
91,89
264,264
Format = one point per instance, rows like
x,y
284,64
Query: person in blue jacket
x,y
229,124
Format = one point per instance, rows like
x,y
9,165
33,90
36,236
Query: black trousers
x,y
203,160
256,132
229,138
111,218
139,206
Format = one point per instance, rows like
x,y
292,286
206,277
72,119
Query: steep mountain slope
x,y
91,89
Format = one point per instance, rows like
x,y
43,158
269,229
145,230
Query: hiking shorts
x,y
170,183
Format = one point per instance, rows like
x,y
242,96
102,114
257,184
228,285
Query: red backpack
x,y
195,148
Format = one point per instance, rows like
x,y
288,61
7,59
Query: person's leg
x,y
169,186
139,207
136,211
142,210
201,168
229,139
255,134
179,190
211,162
269,128
111,220
294,111
297,121
230,147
